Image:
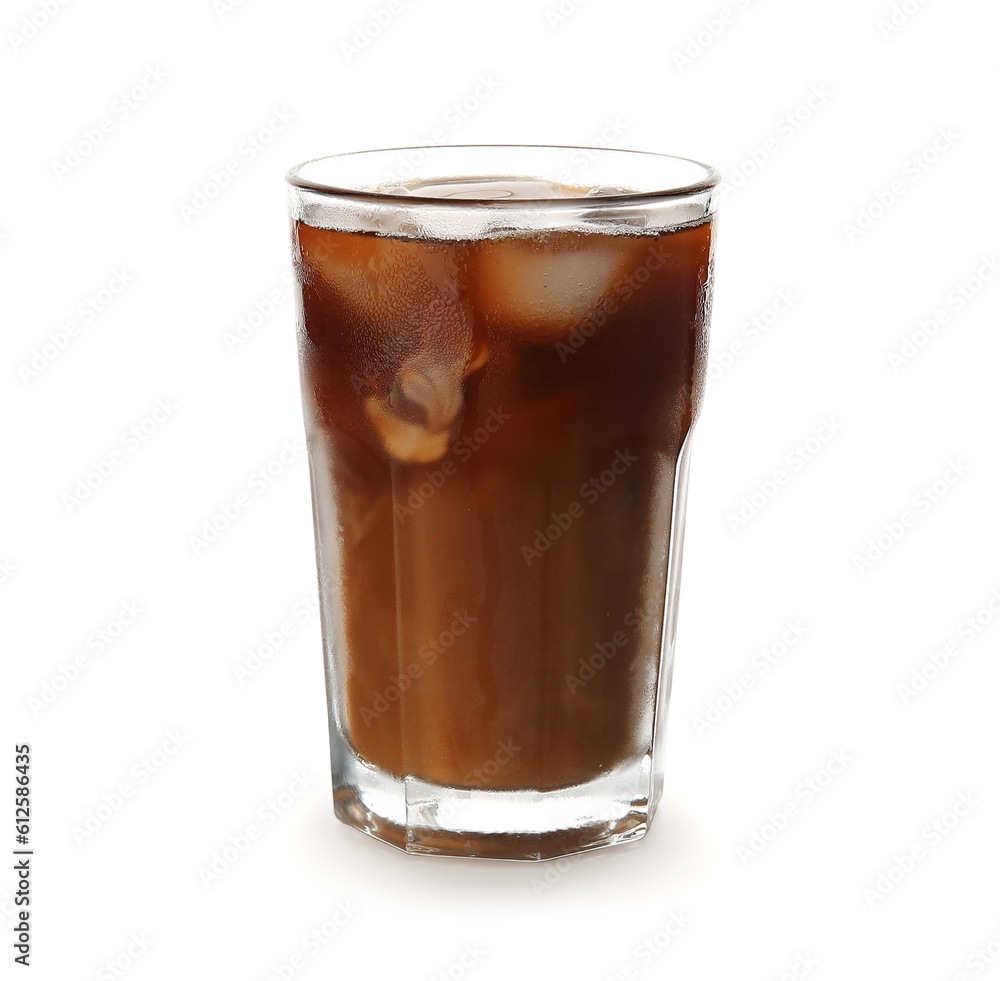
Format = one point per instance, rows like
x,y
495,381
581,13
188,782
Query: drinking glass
x,y
502,356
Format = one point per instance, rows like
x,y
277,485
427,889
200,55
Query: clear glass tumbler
x,y
502,354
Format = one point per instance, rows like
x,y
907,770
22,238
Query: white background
x,y
899,141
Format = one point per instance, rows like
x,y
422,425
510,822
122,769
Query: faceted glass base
x,y
526,825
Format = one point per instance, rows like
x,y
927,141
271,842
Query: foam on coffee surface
x,y
491,189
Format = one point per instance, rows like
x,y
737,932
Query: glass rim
x,y
712,178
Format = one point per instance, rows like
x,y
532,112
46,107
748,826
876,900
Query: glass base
x,y
522,825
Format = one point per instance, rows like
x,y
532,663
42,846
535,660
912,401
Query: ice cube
x,y
542,288
339,261
411,290
603,190
408,442
417,419
390,282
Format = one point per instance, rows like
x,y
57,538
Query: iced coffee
x,y
495,421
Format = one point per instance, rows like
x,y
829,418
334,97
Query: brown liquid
x,y
494,428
